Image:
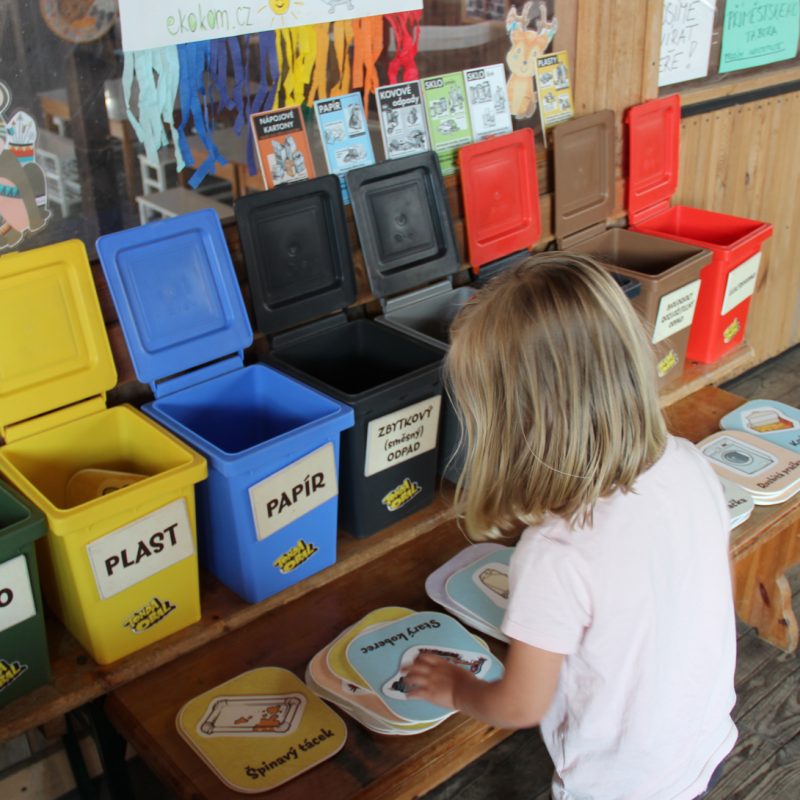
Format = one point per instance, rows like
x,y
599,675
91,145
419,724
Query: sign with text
x,y
158,23
686,28
136,551
741,283
401,435
289,494
754,34
676,311
16,596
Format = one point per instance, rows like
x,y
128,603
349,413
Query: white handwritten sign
x,y
685,40
157,23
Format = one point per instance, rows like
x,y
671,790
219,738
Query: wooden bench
x,y
404,767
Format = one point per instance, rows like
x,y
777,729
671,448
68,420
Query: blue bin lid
x,y
176,293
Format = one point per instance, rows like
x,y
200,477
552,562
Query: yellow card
x,y
337,655
261,729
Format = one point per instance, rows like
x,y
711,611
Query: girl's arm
x,y
518,700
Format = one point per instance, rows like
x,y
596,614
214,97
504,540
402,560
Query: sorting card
x,y
487,99
381,657
337,654
402,117
435,582
345,136
768,419
284,154
739,500
764,469
482,587
261,729
448,117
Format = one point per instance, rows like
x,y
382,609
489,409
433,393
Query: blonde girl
x,y
620,615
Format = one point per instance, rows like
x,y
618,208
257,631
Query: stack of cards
x,y
770,473
261,729
768,420
362,670
473,586
739,500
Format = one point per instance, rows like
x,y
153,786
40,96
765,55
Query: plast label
x,y
287,495
676,311
741,283
16,595
140,550
401,435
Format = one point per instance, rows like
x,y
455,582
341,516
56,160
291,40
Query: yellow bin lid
x,y
54,349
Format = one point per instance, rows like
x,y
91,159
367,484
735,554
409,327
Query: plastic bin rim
x,y
194,470
26,530
757,236
343,414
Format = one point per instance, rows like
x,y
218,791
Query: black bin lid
x,y
403,221
297,252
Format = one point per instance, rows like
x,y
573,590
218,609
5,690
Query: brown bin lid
x,y
583,166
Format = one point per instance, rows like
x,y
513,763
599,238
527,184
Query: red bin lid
x,y
501,196
653,156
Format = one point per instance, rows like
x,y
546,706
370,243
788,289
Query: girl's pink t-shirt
x,y
640,604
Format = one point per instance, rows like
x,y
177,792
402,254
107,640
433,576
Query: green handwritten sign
x,y
757,32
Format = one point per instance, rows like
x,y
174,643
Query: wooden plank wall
x,y
743,160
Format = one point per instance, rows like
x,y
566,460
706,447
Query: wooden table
x,y
373,766
763,547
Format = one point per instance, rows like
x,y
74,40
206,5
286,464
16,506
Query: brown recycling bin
x,y
668,271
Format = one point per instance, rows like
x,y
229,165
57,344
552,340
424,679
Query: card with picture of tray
x,y
261,729
768,420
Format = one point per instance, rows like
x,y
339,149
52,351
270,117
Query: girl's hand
x,y
434,679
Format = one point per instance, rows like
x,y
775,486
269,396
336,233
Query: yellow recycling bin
x,y
120,563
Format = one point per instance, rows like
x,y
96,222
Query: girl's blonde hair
x,y
554,381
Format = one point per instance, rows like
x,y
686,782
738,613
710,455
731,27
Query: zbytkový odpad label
x,y
16,597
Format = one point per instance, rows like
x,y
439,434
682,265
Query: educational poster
x,y
754,34
555,88
686,29
488,101
448,117
157,23
402,119
345,136
282,146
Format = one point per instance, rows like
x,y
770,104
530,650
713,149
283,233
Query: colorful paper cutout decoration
x,y
261,729
79,21
406,29
768,419
526,46
380,656
23,191
769,472
284,154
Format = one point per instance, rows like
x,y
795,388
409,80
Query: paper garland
x,y
192,80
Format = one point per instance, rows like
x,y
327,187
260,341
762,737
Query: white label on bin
x,y
741,283
287,495
401,435
16,595
129,555
676,311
